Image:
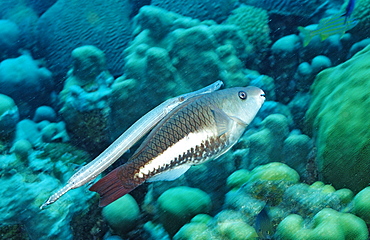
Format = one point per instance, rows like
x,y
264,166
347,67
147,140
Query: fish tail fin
x,y
110,187
306,35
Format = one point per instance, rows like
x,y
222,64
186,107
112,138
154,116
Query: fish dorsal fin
x,y
223,121
170,175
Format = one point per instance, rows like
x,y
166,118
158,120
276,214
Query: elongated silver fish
x,y
202,128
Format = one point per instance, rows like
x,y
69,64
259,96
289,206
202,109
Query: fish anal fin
x,y
170,175
110,187
223,121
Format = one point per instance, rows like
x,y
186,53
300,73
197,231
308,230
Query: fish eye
x,y
242,95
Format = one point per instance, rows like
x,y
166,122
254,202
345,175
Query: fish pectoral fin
x,y
170,175
238,121
223,121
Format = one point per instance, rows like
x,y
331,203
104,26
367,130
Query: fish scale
x,y
201,129
187,122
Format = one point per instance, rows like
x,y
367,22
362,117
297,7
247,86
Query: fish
x,y
123,143
203,128
336,24
349,9
264,225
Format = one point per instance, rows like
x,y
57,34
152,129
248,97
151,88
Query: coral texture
x,y
172,54
303,8
200,9
25,75
338,119
100,23
253,23
362,14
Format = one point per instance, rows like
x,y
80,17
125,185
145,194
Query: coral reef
x,y
294,210
275,142
178,205
326,224
361,204
170,50
9,116
85,98
43,113
104,24
26,184
253,23
362,14
200,9
40,133
9,38
304,8
122,214
26,76
337,119
25,17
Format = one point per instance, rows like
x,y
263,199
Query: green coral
x,y
238,178
179,204
338,118
122,214
361,204
362,14
274,171
236,230
193,231
253,22
327,224
227,227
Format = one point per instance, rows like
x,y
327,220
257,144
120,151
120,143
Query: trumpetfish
x,y
124,142
202,128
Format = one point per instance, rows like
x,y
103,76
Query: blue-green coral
x,y
253,23
327,224
179,204
338,119
362,14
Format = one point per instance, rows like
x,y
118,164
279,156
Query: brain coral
x,y
200,9
253,23
339,119
101,23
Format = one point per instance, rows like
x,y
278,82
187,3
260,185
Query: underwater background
x,y
75,74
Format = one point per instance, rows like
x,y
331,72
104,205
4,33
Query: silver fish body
x,y
203,128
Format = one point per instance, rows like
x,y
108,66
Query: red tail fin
x,y
110,187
